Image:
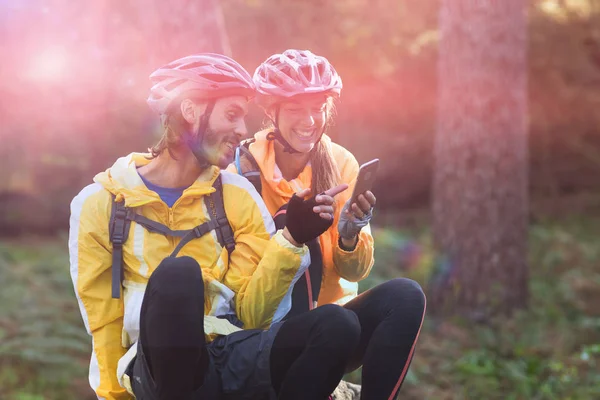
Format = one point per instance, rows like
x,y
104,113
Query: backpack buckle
x,y
230,245
121,213
118,237
117,234
222,222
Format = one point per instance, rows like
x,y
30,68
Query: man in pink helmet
x,y
152,239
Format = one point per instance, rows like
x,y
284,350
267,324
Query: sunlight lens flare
x,y
48,66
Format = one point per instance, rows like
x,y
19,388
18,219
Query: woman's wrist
x,y
348,244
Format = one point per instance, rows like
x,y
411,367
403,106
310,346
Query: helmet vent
x,y
174,84
193,65
219,78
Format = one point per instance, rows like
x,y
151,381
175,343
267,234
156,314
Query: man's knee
x,y
177,276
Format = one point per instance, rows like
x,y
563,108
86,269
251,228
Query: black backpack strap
x,y
216,209
156,227
118,226
253,175
218,222
197,232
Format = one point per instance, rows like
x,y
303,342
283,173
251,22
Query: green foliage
x,y
549,352
43,345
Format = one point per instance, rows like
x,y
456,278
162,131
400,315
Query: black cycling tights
x,y
312,351
172,337
172,329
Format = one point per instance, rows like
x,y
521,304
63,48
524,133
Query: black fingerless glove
x,y
302,222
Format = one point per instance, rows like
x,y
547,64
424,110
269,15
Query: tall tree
x,y
480,197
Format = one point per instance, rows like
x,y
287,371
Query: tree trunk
x,y
480,197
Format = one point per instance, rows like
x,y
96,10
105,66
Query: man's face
x,y
226,127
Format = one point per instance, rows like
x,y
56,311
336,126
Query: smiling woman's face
x,y
302,120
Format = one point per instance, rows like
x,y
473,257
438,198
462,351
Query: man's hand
x,y
301,226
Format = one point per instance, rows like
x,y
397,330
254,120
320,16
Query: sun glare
x,y
49,66
559,10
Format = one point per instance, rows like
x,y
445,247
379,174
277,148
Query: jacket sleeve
x,y
264,266
90,267
356,264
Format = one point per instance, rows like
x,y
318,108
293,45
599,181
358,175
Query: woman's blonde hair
x,y
325,172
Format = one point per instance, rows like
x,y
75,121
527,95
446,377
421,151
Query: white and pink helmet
x,y
211,75
296,72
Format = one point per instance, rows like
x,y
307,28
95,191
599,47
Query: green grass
x,y
551,351
44,349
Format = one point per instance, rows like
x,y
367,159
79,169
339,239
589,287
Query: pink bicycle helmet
x,y
296,72
215,75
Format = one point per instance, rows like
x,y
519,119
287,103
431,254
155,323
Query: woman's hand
x,y
325,201
364,205
354,217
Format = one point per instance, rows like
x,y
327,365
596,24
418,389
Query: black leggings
x,y
172,329
310,352
389,317
313,348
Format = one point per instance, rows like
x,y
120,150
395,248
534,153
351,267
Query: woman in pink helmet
x,y
297,90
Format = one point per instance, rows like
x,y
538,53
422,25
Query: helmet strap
x,y
276,134
194,142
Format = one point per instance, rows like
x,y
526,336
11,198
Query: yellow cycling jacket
x,y
260,270
341,269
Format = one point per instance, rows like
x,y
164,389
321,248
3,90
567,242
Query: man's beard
x,y
212,142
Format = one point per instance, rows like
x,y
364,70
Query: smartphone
x,y
366,177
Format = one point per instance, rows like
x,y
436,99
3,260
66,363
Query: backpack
x,y
306,290
120,223
253,175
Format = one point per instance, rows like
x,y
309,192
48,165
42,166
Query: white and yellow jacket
x,y
261,269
